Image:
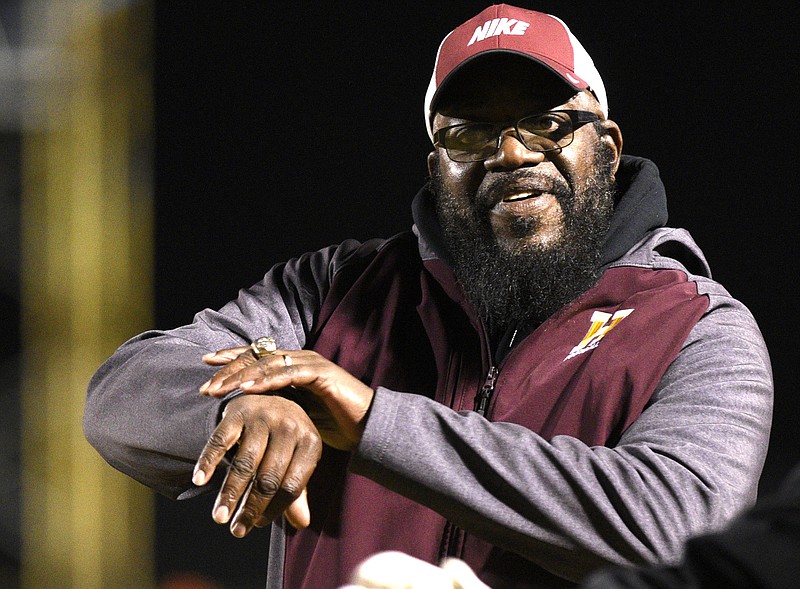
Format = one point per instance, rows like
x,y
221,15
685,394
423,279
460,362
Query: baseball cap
x,y
503,28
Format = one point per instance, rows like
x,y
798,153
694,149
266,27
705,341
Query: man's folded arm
x,y
688,463
143,411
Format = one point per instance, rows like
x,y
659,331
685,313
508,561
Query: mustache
x,y
498,186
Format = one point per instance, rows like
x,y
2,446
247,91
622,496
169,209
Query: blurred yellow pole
x,y
87,285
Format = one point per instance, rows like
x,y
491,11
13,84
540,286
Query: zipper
x,y
486,392
453,537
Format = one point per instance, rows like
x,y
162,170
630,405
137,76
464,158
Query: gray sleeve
x,y
688,463
143,412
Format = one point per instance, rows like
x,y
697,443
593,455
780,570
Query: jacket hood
x,y
641,207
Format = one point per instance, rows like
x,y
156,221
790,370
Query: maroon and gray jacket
x,y
633,418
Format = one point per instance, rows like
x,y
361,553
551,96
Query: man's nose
x,y
512,154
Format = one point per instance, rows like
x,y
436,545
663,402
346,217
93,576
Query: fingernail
x,y
209,355
199,477
204,387
247,385
238,530
221,514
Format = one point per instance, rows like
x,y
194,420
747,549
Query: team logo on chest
x,y
602,323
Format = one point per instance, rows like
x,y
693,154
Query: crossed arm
x,y
279,439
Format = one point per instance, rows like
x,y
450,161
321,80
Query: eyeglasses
x,y
548,131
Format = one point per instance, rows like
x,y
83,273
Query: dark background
x,y
281,131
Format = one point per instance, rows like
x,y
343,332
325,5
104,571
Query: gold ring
x,y
287,360
264,346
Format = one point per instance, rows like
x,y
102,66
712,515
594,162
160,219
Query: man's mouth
x,y
517,189
522,196
525,203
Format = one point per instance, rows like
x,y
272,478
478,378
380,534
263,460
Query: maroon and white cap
x,y
541,37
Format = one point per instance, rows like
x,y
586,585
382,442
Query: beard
x,y
515,283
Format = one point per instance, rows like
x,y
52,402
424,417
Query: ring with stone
x,y
287,360
264,346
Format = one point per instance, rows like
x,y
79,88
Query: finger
x,y
245,372
298,513
224,356
237,531
280,370
222,439
287,465
242,360
240,472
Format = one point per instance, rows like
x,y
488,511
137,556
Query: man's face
x,y
525,223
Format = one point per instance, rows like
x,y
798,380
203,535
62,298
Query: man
x,y
540,379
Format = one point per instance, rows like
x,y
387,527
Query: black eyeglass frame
x,y
577,118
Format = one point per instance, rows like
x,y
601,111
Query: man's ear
x,y
433,163
613,138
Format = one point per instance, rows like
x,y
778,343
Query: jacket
x,y
635,417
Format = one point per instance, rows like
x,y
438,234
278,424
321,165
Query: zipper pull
x,y
485,394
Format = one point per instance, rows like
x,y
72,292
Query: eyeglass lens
x,y
479,141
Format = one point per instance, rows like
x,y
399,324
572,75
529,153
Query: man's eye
x,y
469,135
545,125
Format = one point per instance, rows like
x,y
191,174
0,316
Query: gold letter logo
x,y
602,323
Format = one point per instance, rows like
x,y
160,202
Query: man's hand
x,y
279,447
338,402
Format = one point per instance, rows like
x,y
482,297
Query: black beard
x,y
521,286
